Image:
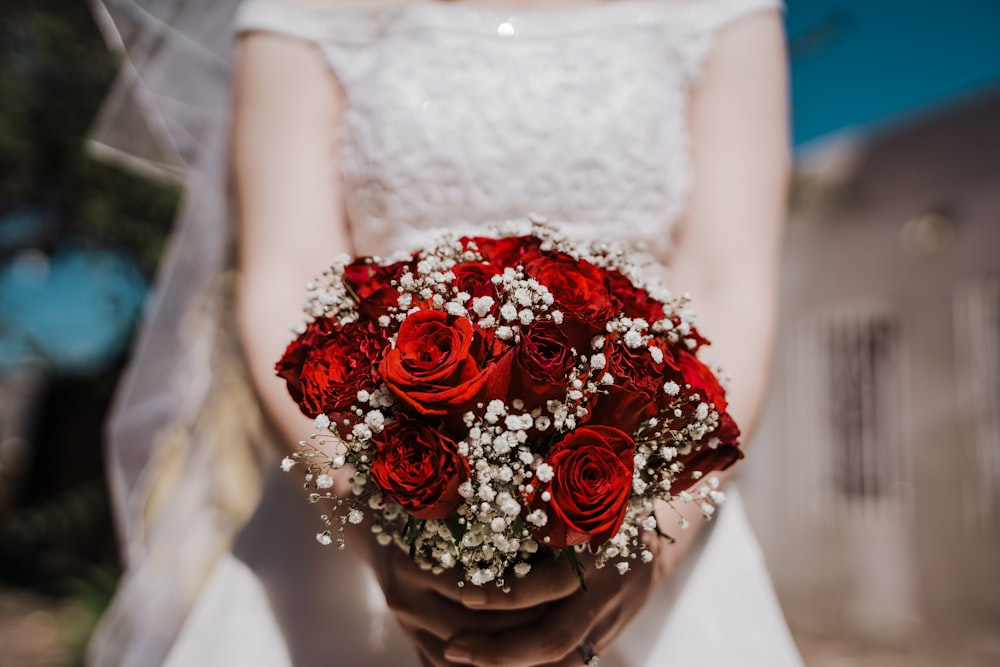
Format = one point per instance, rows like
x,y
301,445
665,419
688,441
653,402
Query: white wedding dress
x,y
460,114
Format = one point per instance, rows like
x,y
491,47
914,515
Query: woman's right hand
x,y
433,608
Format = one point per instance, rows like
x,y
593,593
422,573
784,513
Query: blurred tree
x,y
54,73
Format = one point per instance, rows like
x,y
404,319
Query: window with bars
x,y
847,411
863,412
977,329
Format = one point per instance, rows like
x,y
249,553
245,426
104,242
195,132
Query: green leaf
x,y
576,565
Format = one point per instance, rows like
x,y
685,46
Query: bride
x,y
357,127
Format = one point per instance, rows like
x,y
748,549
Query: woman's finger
x,y
429,613
567,623
443,618
414,595
596,615
549,580
429,648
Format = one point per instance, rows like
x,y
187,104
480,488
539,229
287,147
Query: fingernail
x,y
473,596
458,653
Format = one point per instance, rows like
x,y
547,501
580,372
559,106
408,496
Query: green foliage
x,y
574,562
55,70
89,597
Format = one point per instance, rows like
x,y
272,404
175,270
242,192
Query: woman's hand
x,y
597,615
558,613
433,609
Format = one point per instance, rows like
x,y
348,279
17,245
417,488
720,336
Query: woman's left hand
x,y
596,615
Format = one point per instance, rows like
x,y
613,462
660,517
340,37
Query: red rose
x,y
503,252
580,290
634,396
728,432
536,370
699,340
544,355
589,489
419,468
328,364
633,301
431,369
475,279
372,285
706,384
702,379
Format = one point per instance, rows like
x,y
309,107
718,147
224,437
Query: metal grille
x,y
977,352
863,404
847,410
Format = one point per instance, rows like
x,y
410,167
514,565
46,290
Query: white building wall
x,y
903,237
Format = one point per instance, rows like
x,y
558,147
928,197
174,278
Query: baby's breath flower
x,y
537,518
544,472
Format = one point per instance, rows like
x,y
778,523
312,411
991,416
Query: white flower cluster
x,y
329,296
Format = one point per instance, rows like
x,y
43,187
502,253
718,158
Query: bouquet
x,y
498,397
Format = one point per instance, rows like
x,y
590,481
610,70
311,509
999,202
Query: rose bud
x,y
536,369
633,301
503,252
372,286
580,290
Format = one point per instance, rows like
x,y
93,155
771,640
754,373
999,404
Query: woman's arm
x,y
727,254
287,113
727,257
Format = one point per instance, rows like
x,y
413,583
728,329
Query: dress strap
x,y
717,14
344,24
709,18
340,31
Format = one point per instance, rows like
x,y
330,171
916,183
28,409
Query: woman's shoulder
x,y
322,21
328,4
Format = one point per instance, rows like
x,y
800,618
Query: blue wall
x,y
856,62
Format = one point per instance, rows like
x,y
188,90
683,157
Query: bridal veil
x,y
183,413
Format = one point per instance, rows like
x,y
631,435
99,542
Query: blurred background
x,y
875,479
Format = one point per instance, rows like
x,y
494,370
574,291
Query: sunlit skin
x,y
287,111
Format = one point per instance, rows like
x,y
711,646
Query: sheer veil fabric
x,y
183,414
204,582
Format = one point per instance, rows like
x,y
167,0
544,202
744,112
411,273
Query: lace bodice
x,y
462,114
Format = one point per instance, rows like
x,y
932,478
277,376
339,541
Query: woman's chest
x,y
456,128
